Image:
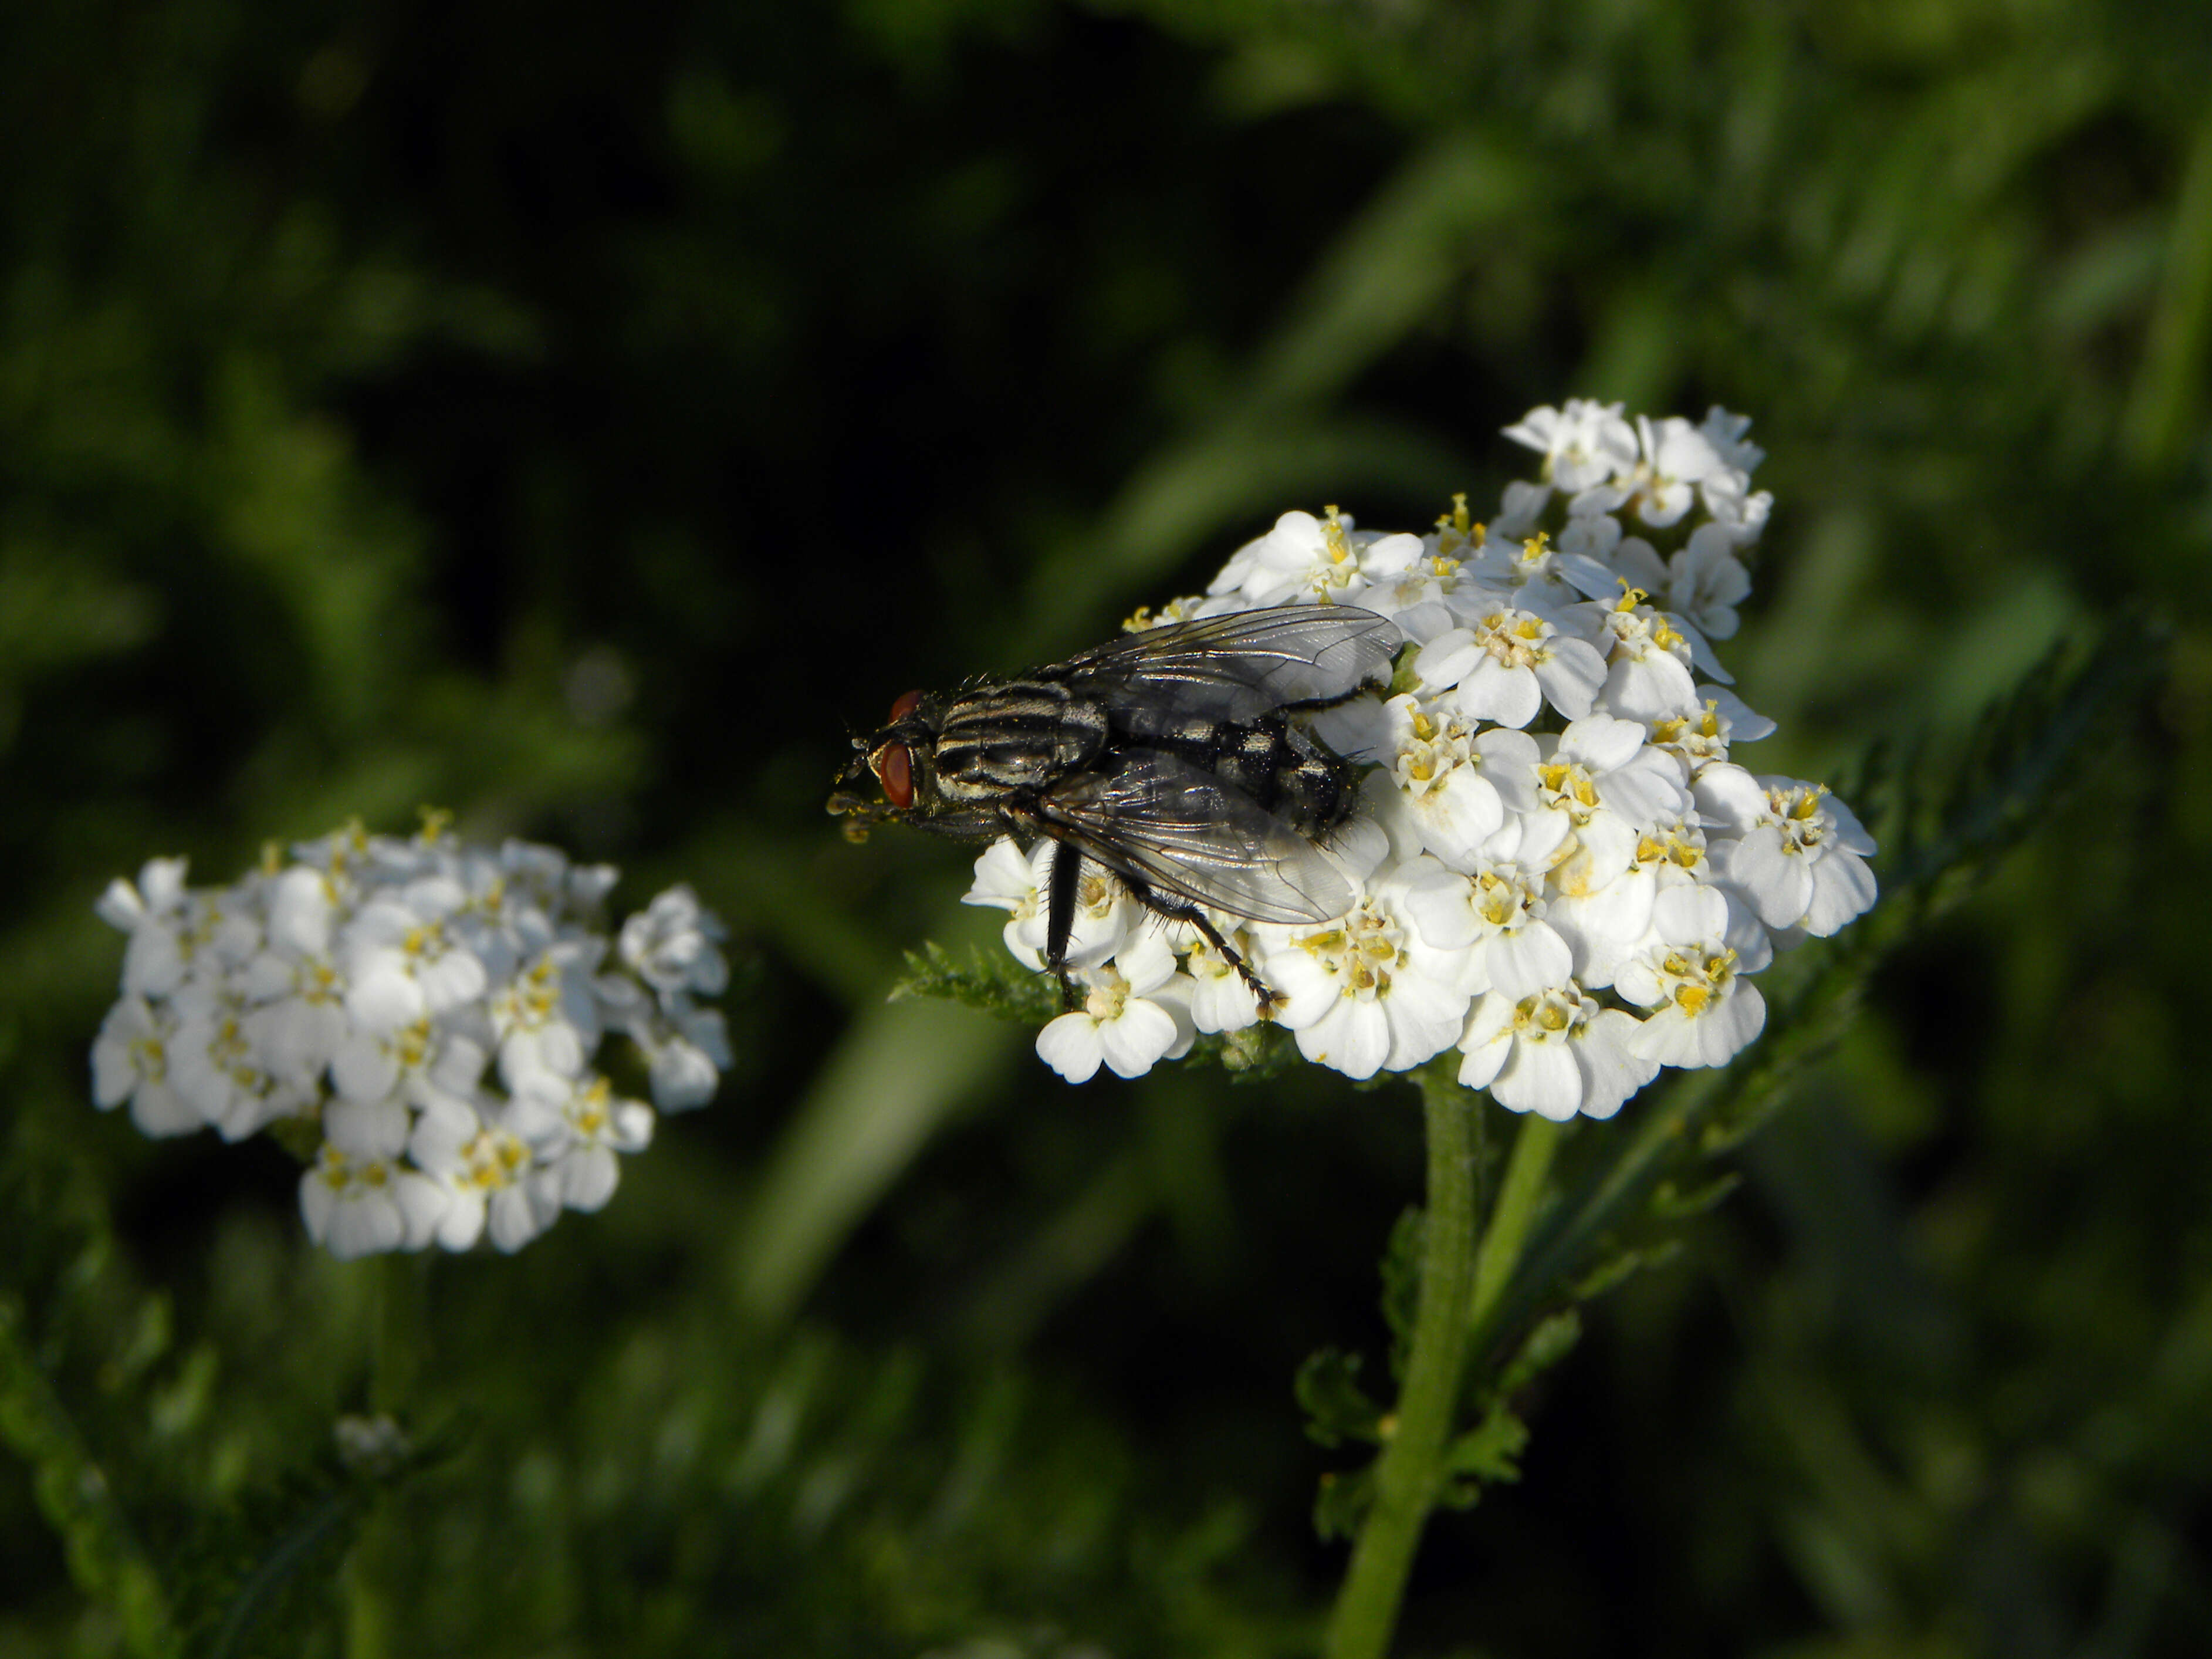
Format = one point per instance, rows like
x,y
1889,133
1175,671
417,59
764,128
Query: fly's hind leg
x,y
1176,910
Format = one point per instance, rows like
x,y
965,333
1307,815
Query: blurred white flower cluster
x,y
1562,870
430,1009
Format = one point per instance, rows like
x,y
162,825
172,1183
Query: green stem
x,y
1409,1473
1518,1200
1460,1288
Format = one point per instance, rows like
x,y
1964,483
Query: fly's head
x,y
891,774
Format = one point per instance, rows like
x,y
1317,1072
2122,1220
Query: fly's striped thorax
x,y
1022,734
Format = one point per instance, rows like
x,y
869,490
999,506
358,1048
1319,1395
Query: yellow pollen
x,y
1536,547
436,820
334,1177
1630,597
1340,549
1424,728
375,1174
1692,998
1422,770
1552,1017
1666,637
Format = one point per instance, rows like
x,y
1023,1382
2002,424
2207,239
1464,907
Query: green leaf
x,y
1552,1340
1669,1202
255,1577
1342,1502
988,981
1337,1409
1488,1452
1616,1268
106,1560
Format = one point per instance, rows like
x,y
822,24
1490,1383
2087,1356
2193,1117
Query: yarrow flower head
x,y
1559,868
421,1018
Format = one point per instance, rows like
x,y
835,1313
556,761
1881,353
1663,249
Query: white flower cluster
x,y
1562,871
366,987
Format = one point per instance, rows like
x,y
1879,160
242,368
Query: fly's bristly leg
x,y
1184,910
1059,918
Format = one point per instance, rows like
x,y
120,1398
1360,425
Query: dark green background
x,y
581,417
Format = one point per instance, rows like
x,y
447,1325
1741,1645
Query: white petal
x,y
1778,881
683,1076
1141,1035
1527,960
588,1175
1842,887
364,1223
159,1110
1492,691
1071,1047
463,1222
364,1068
513,1220
366,1129
1542,1079
423,1204
1354,1038
1613,1070
154,961
119,906
1570,674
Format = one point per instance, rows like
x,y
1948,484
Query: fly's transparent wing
x,y
1178,828
1238,666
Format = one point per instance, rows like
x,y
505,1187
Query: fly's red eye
x,y
894,771
905,705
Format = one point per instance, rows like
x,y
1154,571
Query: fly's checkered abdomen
x,y
1309,786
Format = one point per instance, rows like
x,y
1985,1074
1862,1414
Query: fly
x,y
1167,756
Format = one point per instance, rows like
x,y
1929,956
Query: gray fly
x,y
1168,757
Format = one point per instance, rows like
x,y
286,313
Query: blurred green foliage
x,y
581,416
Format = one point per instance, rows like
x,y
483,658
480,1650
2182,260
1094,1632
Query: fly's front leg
x,y
1060,917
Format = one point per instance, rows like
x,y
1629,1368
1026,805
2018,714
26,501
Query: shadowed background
x,y
582,418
